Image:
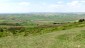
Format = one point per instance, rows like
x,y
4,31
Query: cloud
x,y
82,1
55,6
74,3
73,6
14,7
25,3
59,6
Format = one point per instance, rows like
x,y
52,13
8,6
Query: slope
x,y
72,38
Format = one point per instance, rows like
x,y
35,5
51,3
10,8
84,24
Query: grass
x,y
41,32
42,29
71,38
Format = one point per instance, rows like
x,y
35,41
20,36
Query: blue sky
x,y
26,6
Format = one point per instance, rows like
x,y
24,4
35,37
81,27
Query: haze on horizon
x,y
26,6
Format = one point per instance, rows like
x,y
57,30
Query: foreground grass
x,y
72,38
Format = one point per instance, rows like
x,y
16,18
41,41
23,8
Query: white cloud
x,y
59,6
74,6
83,1
74,3
25,3
14,7
55,6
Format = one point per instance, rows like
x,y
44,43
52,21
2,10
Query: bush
x,y
81,20
15,29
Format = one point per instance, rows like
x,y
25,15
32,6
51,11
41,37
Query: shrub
x,y
15,29
81,20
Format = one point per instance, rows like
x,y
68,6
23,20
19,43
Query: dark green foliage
x,y
1,30
10,24
81,20
16,29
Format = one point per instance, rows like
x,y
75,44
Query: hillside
x,y
42,30
71,38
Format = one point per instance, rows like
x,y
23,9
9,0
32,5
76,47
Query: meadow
x,y
42,30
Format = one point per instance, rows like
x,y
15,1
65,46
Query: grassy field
x,y
42,30
72,38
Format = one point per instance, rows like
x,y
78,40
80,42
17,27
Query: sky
x,y
27,6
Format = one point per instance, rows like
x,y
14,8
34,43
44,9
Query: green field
x,y
72,38
41,17
42,30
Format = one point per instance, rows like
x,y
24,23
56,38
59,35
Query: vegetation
x,y
72,38
43,30
81,20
